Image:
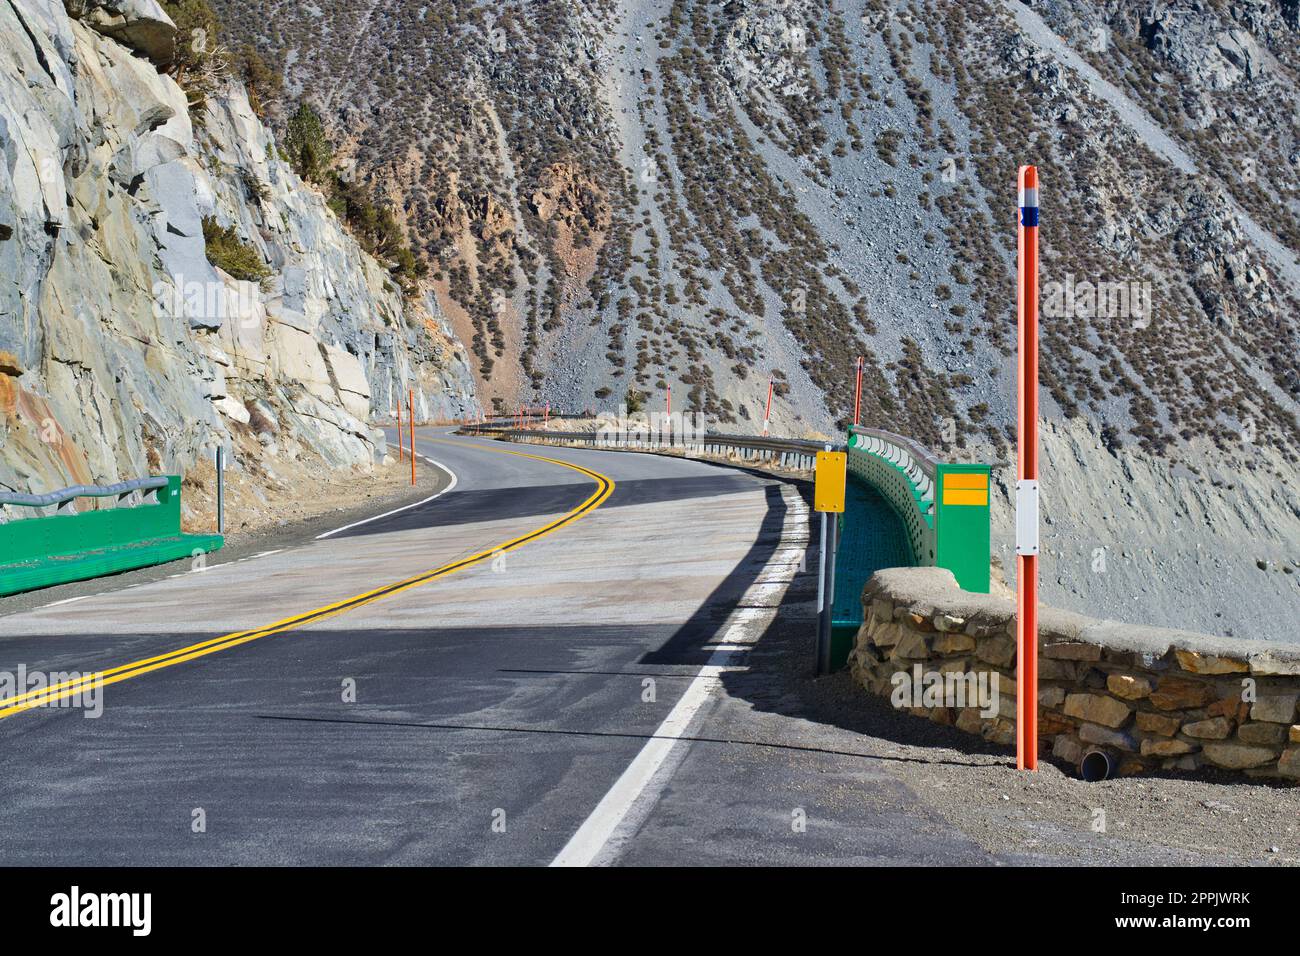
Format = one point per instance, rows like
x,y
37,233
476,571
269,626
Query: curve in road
x,y
65,689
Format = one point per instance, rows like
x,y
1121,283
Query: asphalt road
x,y
477,717
601,664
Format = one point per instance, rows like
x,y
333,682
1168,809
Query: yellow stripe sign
x,y
966,489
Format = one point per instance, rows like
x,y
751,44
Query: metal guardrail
x,y
38,550
797,453
944,505
904,472
65,495
916,460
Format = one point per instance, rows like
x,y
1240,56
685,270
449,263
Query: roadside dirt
x,y
265,494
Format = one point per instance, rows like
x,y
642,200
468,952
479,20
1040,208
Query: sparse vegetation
x,y
228,252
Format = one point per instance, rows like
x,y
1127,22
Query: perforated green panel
x,y
916,514
872,536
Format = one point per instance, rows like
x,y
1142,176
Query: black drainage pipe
x,y
1096,765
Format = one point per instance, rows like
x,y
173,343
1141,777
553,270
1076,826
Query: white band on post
x,y
1027,516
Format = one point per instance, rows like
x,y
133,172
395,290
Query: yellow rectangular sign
x,y
966,489
828,490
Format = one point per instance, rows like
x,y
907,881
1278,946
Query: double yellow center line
x,y
47,695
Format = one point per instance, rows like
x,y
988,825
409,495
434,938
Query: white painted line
x,y
80,597
591,837
436,464
586,845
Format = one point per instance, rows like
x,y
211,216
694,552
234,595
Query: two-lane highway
x,y
474,679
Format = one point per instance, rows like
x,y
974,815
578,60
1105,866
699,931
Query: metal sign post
x,y
828,498
1027,476
221,490
411,416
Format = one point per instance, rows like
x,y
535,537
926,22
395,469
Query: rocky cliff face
x,y
123,350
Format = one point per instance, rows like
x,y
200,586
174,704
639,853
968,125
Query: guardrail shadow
x,y
780,674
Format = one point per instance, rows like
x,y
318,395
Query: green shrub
x,y
199,63
228,252
306,145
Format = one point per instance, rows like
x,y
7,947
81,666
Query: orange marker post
x,y
669,420
857,395
767,414
411,416
1027,475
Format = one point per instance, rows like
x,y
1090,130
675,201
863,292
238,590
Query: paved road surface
x,y
615,687
506,695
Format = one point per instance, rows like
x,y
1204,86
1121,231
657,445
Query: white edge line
x,y
436,464
585,846
79,597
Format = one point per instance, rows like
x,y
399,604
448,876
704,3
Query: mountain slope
x,y
627,196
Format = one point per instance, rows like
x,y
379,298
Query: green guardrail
x,y
904,507
37,552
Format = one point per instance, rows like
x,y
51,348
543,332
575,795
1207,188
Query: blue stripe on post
x,y
1029,215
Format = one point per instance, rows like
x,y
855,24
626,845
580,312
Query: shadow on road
x,y
469,506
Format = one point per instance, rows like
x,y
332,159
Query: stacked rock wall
x,y
1153,699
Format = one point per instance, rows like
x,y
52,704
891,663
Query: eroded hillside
x,y
619,197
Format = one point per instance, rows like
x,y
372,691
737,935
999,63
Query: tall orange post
x,y
401,454
767,414
857,395
669,423
1027,476
411,416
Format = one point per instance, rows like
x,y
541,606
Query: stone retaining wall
x,y
1152,698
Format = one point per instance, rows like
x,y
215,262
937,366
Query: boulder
x,y
1128,687
139,24
1166,748
1158,724
1216,728
1275,708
